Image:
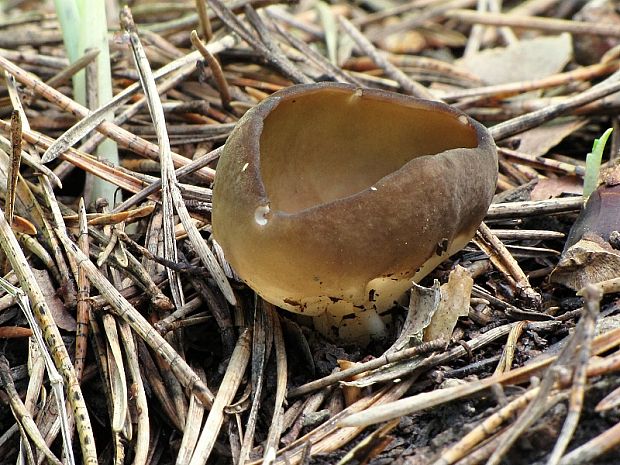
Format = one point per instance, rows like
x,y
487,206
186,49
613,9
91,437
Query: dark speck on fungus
x,y
351,185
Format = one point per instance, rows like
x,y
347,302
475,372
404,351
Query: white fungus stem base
x,y
359,328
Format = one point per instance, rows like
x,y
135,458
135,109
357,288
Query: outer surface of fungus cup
x,y
330,200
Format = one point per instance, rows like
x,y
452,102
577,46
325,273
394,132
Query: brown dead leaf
x,y
550,188
61,316
590,261
455,296
526,60
541,139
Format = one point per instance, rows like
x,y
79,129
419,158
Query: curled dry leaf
x,y
591,260
455,296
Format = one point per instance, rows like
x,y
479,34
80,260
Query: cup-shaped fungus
x,y
330,200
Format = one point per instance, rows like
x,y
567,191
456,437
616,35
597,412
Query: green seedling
x,y
593,164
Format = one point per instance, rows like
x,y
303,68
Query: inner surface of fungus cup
x,y
330,200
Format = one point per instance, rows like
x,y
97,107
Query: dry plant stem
x,y
28,160
117,380
35,58
214,66
133,267
424,16
384,360
505,362
542,162
275,429
369,447
172,200
484,451
408,85
275,56
123,308
141,447
475,35
35,209
52,338
119,135
506,90
226,392
83,301
407,367
203,18
67,73
501,254
13,173
535,22
21,414
431,399
529,208
167,170
169,82
592,298
538,117
179,173
262,337
336,73
331,435
588,452
608,287
158,388
577,343
176,318
485,428
192,428
36,372
84,162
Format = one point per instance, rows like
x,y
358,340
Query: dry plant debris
x,y
131,311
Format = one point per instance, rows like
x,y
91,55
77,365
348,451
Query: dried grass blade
x,y
191,431
96,117
35,164
261,345
116,369
53,340
124,309
592,297
275,430
141,448
168,174
13,174
232,379
21,414
530,120
167,169
118,134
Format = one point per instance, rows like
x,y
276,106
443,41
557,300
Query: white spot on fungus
x,y
245,167
373,188
463,119
356,95
260,215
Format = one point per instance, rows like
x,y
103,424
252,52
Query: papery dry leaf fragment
x,y
528,59
591,260
455,296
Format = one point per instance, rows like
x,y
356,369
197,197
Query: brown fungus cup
x,y
330,200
